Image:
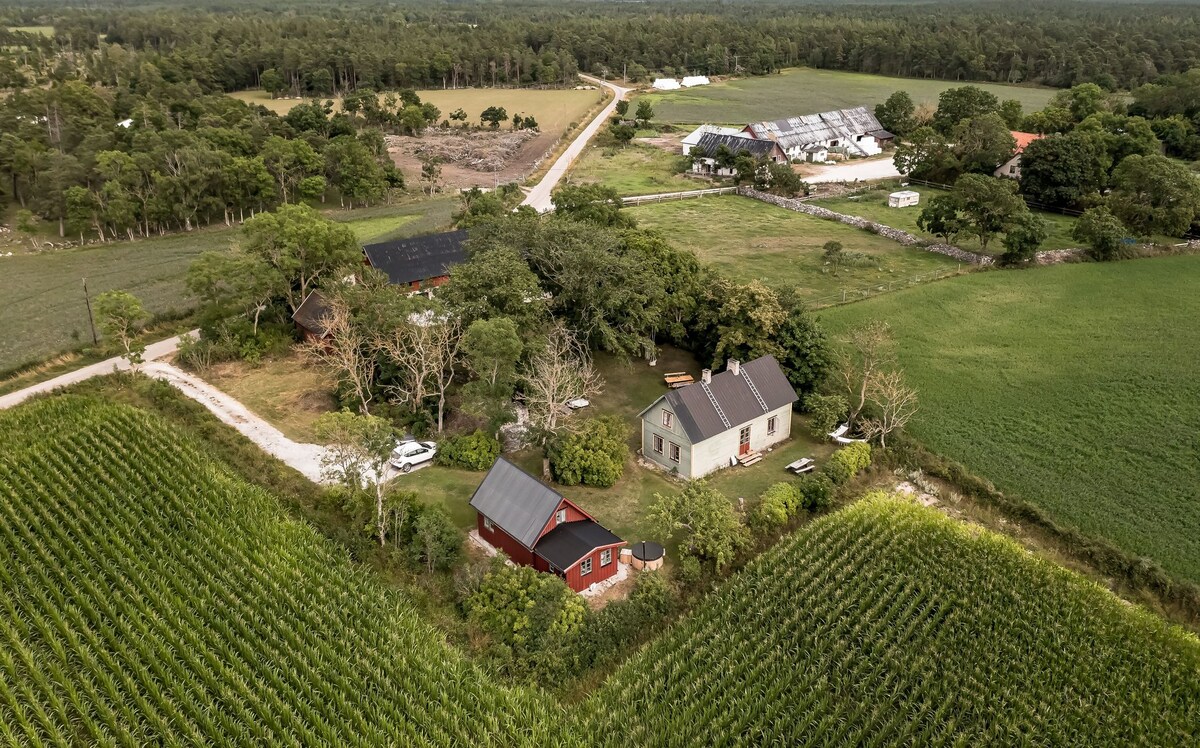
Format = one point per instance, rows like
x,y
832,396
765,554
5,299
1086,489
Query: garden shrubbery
x,y
475,451
594,456
848,462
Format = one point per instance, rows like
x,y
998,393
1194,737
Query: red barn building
x,y
418,262
537,527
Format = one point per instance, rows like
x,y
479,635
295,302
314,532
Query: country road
x,y
539,197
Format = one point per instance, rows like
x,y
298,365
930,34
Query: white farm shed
x,y
695,80
904,199
666,84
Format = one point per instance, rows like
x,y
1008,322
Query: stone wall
x,y
896,235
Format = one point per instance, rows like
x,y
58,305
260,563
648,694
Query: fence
x,y
664,197
848,295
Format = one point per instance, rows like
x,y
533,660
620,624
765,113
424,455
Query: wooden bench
x,y
801,466
677,379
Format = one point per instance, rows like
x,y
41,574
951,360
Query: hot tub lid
x,y
647,551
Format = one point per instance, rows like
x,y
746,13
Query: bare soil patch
x,y
473,158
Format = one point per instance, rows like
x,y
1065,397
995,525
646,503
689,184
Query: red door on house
x,y
744,442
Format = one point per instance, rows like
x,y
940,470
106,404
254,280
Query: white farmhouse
x,y
1012,167
706,154
854,132
721,420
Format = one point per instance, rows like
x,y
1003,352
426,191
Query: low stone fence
x,y
896,235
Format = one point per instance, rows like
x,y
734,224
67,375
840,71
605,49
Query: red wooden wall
x,y
505,542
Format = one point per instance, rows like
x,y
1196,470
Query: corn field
x,y
149,597
888,624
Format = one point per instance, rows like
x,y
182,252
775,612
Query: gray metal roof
x,y
418,258
566,544
312,312
797,132
518,503
736,397
711,141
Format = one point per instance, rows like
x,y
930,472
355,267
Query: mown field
x,y
747,239
634,170
41,293
888,624
1073,387
151,597
798,91
554,109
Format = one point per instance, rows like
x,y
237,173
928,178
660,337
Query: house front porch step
x,y
749,459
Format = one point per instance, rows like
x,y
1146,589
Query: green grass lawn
x,y
748,239
630,387
798,91
634,170
41,293
1073,387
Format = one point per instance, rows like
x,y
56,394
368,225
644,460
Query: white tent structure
x,y
666,84
695,80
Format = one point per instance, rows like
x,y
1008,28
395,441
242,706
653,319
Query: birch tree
x,y
561,371
895,403
424,348
346,351
357,450
867,352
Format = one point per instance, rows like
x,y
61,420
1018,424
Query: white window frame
x,y
668,419
560,516
772,423
676,452
658,444
585,567
606,557
488,524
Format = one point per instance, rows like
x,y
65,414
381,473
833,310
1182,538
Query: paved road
x,y
153,351
862,171
539,197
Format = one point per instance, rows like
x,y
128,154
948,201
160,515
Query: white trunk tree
x,y
345,351
425,351
561,371
895,404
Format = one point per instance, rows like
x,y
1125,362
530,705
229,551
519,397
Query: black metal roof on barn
x,y
735,394
311,313
518,503
711,142
418,258
566,544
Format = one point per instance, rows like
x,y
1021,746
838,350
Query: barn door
x,y
744,441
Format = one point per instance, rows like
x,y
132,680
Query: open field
x,y
748,239
287,392
1073,387
629,388
798,91
888,624
634,170
41,294
153,597
43,30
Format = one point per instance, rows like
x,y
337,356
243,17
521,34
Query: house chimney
x,y
706,376
735,366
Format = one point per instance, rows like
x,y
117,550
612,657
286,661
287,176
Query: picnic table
x,y
677,379
801,466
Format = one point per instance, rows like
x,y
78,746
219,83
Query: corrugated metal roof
x,y
518,503
418,258
711,142
797,132
566,544
734,394
694,136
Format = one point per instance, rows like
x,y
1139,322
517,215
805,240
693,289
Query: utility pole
x,y
91,320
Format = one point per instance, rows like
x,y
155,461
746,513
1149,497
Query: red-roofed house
x,y
1012,167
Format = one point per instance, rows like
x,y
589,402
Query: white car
x,y
408,454
578,403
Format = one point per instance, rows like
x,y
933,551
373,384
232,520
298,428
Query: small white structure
x,y
904,199
815,154
666,84
125,123
693,138
695,80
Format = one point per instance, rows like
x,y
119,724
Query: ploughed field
x,y
1073,387
152,596
889,624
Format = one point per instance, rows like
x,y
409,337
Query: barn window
x,y
658,444
585,568
560,516
487,524
668,419
771,423
606,557
674,452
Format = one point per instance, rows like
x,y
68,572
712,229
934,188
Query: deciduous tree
x,y
704,521
120,315
357,450
560,371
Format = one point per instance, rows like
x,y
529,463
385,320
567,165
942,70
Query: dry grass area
x,y
287,392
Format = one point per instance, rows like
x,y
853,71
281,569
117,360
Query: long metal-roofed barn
x,y
419,261
856,130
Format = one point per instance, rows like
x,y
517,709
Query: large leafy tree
x,y
1063,170
704,521
1155,195
1101,231
591,203
982,143
964,102
926,154
987,205
896,113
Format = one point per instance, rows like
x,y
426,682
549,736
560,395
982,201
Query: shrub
x,y
815,492
827,411
845,463
519,607
594,457
475,451
436,542
775,507
610,631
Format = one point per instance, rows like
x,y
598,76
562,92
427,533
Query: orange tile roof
x,y
1023,139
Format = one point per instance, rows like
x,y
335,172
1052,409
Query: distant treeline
x,y
326,49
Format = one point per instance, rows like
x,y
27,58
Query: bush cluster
x,y
826,412
780,503
848,461
595,456
475,451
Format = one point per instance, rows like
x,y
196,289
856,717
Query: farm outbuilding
x,y
310,316
418,262
904,199
855,132
536,526
666,84
705,152
693,138
695,80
